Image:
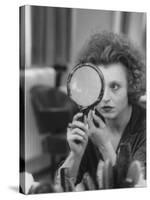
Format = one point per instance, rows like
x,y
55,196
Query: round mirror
x,y
85,85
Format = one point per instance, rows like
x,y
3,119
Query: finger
x,y
98,120
76,138
79,132
85,119
78,124
90,120
77,116
86,122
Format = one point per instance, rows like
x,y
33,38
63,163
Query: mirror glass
x,y
85,85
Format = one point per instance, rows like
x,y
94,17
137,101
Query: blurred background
x,y
50,39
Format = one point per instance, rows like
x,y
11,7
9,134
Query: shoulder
x,y
140,123
139,116
138,132
137,125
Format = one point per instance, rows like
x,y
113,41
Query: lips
x,y
107,108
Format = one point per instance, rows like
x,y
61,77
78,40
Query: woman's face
x,y
115,98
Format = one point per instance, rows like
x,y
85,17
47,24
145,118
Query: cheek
x,y
121,98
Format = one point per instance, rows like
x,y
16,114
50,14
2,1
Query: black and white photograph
x,y
82,93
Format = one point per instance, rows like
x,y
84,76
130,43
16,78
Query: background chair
x,y
53,111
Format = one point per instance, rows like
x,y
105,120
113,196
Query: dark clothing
x,y
133,135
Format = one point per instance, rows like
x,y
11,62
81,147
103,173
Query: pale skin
x,y
115,109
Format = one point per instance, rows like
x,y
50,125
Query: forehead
x,y
114,72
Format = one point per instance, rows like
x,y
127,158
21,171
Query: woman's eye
x,y
115,86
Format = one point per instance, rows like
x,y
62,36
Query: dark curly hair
x,y
108,48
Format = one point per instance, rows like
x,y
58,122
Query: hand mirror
x,y
85,85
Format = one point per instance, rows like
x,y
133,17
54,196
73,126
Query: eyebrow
x,y
115,81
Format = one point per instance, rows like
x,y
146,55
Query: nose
x,y
106,95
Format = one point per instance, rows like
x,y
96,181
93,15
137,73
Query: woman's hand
x,y
77,135
100,136
98,130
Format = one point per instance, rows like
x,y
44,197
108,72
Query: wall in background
x,y
87,22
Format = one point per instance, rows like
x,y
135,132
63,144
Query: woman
x,y
124,119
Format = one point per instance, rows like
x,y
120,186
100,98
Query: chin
x,y
109,115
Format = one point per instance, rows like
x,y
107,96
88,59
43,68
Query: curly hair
x,y
108,48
